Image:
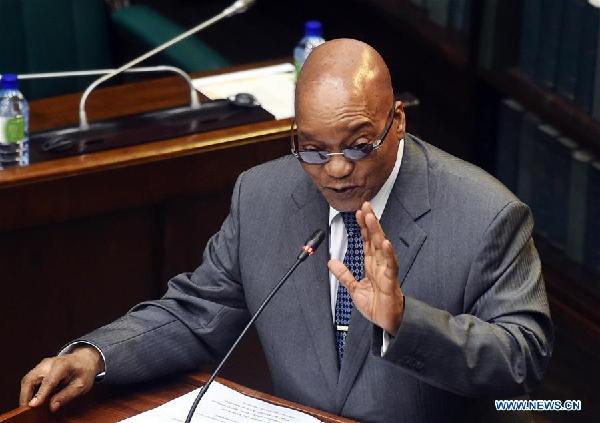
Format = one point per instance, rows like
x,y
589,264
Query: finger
x,y
360,218
366,207
374,273
49,383
377,237
74,389
342,274
391,270
370,269
364,210
374,230
367,214
28,385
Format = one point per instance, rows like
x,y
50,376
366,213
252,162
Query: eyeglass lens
x,y
319,157
357,152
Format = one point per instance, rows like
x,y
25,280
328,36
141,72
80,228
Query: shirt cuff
x,y
387,338
69,349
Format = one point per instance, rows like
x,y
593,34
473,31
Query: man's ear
x,y
399,112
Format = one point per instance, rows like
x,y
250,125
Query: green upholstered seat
x,y
58,35
53,35
153,29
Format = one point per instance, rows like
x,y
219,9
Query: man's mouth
x,y
342,189
343,192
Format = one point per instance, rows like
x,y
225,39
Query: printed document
x,y
222,405
273,87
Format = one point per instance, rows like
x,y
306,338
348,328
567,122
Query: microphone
x,y
194,102
308,249
239,6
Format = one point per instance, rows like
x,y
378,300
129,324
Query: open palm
x,y
378,296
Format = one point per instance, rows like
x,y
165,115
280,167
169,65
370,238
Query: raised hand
x,y
378,296
60,379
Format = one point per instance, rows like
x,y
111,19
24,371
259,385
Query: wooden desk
x,y
84,238
107,406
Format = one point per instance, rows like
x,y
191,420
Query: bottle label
x,y
12,130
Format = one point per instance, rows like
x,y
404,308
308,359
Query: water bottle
x,y
14,123
313,37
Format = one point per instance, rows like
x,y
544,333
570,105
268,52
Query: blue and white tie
x,y
354,261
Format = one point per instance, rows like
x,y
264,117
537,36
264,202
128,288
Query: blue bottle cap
x,y
9,81
313,29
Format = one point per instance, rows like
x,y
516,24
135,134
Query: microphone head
x,y
242,5
311,244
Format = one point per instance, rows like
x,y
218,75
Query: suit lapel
x,y
408,201
311,279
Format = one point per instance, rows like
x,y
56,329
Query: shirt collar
x,y
380,200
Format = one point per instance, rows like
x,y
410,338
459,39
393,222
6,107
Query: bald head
x,y
341,71
345,104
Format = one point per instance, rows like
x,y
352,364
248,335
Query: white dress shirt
x,y
338,239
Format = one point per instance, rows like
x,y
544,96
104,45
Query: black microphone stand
x,y
307,250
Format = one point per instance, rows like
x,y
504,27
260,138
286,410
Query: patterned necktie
x,y
354,261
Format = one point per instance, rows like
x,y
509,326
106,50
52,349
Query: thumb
x,y
341,272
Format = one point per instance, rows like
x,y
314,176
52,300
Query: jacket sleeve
x,y
193,323
501,344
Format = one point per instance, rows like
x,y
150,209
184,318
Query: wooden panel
x,y
134,185
188,224
62,280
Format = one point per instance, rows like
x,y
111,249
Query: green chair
x,y
152,29
53,35
59,35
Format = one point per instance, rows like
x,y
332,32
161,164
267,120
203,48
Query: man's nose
x,y
339,167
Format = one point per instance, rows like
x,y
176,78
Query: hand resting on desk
x,y
62,378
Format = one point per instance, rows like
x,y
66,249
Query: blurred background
x,y
510,85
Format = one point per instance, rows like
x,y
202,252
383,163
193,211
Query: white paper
x,y
273,87
221,405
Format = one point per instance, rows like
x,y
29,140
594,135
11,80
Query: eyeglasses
x,y
356,152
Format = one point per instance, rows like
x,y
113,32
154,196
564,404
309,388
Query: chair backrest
x,y
150,29
53,35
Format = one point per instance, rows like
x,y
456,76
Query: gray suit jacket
x,y
476,320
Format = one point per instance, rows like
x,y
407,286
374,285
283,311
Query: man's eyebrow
x,y
308,137
360,125
355,127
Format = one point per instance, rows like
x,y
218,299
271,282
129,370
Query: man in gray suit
x,y
440,298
